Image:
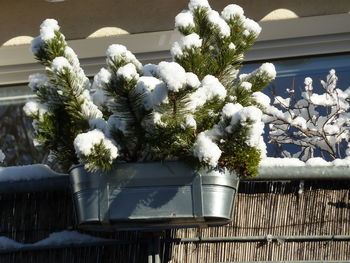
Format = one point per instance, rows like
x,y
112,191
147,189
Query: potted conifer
x,y
158,145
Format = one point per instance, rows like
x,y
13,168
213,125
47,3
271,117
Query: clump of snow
x,y
280,162
88,109
59,63
342,162
231,11
246,85
190,122
2,156
36,45
48,28
308,84
98,123
157,119
192,80
119,53
64,238
215,19
72,57
32,108
26,173
251,26
150,70
268,69
7,244
261,98
232,46
206,150
186,43
211,88
194,4
84,144
128,72
184,19
67,238
281,101
317,161
230,111
100,80
173,75
38,80
251,117
99,98
154,90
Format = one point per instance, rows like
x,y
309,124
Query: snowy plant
x,y
2,156
196,108
318,124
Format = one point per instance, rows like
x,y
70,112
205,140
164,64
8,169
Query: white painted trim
x,y
281,38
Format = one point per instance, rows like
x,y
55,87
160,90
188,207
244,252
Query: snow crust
x,y
63,238
280,162
312,162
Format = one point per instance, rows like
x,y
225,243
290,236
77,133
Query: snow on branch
x,y
314,123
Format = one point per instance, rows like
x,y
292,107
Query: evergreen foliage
x,y
195,108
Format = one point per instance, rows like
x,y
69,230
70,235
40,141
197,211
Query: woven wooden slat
x,y
261,209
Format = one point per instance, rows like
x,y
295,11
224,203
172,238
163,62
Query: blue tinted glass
x,y
291,74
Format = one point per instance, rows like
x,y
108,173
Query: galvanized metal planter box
x,y
152,195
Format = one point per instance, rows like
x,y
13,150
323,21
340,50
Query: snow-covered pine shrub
x,y
195,108
317,124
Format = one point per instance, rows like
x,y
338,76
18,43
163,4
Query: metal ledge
x,y
40,177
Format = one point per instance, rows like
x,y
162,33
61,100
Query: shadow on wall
x,y
80,19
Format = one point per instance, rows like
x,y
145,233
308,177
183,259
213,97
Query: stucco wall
x,y
20,19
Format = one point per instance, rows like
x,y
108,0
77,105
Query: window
x,y
16,139
291,74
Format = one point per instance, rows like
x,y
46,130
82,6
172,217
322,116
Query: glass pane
x,y
16,130
291,74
